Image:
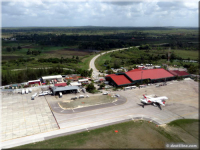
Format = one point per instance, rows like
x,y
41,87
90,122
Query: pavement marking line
x,y
73,110
88,110
30,135
62,110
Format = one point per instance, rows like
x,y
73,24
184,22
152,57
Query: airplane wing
x,y
160,102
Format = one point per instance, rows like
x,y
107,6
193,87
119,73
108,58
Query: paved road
x,y
92,62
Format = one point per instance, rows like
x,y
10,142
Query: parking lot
x,y
22,116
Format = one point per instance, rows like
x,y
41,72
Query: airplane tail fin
x,y
144,96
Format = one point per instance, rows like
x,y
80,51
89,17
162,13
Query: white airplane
x,y
157,101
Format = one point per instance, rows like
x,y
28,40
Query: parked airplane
x,y
157,101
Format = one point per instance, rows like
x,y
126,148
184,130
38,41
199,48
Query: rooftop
x,y
120,79
65,88
148,74
52,77
179,73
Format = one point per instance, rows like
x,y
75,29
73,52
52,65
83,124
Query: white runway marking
x,y
62,110
73,110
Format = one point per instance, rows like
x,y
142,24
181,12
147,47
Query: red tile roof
x,y
60,84
120,79
138,74
178,73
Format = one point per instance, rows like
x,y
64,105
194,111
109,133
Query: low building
x,y
180,73
137,76
32,82
75,84
83,81
58,78
66,89
60,84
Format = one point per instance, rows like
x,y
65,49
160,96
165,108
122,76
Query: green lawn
x,y
187,54
138,134
100,61
86,61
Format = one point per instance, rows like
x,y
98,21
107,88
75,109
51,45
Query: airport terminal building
x,y
138,76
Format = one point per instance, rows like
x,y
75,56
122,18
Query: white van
x,y
26,91
23,91
60,94
30,90
133,87
81,96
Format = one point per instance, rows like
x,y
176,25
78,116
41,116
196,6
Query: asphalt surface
x,y
96,72
57,109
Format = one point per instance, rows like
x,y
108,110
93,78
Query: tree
x,y
14,48
28,52
90,88
102,85
77,58
116,64
106,62
68,82
8,49
47,82
19,47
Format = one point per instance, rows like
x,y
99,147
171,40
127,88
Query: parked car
x,y
73,98
30,90
81,96
105,93
23,91
60,94
117,95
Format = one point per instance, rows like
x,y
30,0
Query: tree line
x,y
11,77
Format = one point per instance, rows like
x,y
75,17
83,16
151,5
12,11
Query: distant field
x,y
187,54
132,134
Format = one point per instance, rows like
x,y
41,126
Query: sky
x,y
119,13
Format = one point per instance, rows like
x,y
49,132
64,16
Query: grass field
x,y
132,134
100,61
85,61
194,55
85,102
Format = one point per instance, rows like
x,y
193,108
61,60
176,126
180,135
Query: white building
x,y
75,84
58,78
83,81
